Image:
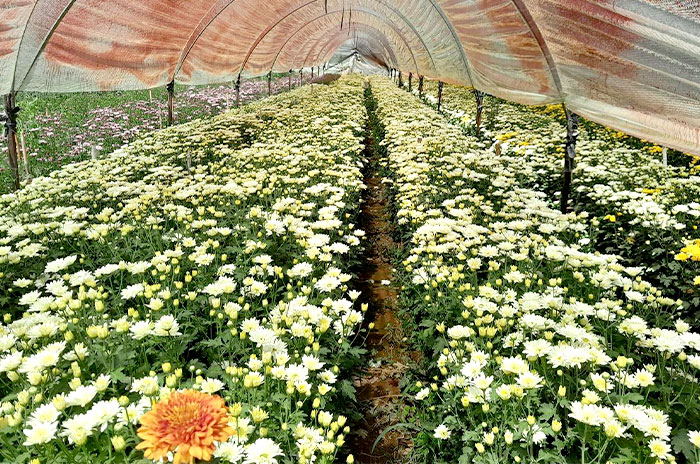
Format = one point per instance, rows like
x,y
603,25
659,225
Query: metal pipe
x,y
569,157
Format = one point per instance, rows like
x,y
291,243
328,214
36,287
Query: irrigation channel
x,y
378,391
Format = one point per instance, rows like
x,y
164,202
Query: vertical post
x,y
312,73
24,154
301,77
664,152
400,80
569,155
290,79
410,78
171,102
439,96
420,86
10,120
238,91
269,83
479,96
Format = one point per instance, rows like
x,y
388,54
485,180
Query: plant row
x,y
646,211
213,259
538,348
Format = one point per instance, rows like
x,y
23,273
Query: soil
x,y
377,386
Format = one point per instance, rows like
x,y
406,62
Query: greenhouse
x,y
350,231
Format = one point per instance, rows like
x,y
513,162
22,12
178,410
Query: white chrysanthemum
x,y
230,452
59,264
262,451
40,432
442,432
210,385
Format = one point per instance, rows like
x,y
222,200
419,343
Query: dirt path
x,y
378,387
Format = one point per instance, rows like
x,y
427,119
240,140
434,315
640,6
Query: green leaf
x,y
347,389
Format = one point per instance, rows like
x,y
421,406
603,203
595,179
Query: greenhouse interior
x,y
350,231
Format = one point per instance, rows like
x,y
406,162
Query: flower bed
x,y
539,348
645,212
64,128
212,258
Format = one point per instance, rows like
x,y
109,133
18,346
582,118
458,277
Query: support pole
x,y
479,96
420,86
171,102
269,83
569,156
24,155
439,96
290,79
238,91
301,77
10,120
312,73
664,153
410,78
400,80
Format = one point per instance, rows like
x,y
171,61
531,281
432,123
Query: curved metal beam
x,y
44,42
456,39
387,54
195,35
381,2
327,55
530,21
332,40
400,35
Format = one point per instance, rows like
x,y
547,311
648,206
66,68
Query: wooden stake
x,y
479,96
410,78
420,86
10,120
569,156
24,154
269,83
238,91
400,80
439,96
171,102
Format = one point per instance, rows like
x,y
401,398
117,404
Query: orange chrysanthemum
x,y
188,423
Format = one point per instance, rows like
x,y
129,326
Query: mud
x,y
378,391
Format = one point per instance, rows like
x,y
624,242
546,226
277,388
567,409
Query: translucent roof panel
x,y
631,64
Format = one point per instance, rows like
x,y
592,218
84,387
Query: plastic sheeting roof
x,y
358,54
631,64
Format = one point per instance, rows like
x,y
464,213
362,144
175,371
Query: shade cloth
x,y
633,65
